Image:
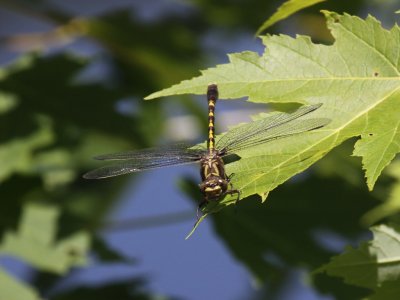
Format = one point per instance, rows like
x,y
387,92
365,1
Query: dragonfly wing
x,y
163,151
289,129
132,167
111,171
146,159
270,128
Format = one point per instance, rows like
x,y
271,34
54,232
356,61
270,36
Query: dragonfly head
x,y
214,187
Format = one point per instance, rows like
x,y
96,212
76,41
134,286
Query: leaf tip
x,y
195,226
264,196
153,96
331,16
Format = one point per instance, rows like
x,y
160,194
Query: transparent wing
x,y
145,159
270,128
171,150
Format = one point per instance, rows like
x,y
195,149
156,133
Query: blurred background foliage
x,y
72,86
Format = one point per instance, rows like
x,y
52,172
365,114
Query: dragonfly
x,y
215,183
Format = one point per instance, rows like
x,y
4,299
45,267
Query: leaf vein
x,y
374,49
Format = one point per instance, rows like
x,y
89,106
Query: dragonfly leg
x,y
199,207
232,190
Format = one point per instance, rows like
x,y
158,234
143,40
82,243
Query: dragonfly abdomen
x,y
212,96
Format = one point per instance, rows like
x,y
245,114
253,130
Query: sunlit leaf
x,y
35,243
55,167
17,155
356,79
391,205
285,10
12,289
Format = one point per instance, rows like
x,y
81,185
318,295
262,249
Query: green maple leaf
x,y
391,205
356,78
285,10
373,263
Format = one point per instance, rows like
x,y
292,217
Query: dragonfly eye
x,y
213,188
213,192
